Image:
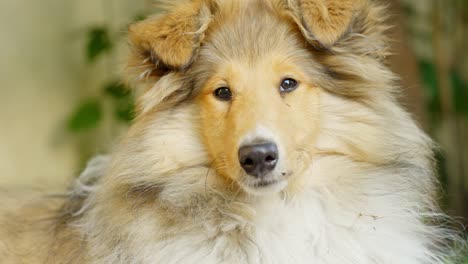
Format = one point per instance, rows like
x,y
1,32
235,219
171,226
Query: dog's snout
x,y
259,159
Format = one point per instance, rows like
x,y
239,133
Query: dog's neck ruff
x,y
321,224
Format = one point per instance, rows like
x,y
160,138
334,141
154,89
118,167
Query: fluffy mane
x,y
366,190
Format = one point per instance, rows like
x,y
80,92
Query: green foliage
x,y
458,87
460,94
122,99
89,113
430,81
442,169
462,258
116,90
99,42
140,17
125,110
87,116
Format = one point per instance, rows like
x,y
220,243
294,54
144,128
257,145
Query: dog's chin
x,y
264,187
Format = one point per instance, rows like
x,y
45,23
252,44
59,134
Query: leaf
x,y
86,116
99,42
139,17
117,90
460,94
409,10
429,78
125,109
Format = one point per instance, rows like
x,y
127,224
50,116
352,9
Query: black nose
x,y
259,159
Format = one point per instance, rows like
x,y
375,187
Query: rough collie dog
x,y
268,132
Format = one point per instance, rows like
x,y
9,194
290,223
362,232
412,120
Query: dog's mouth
x,y
265,185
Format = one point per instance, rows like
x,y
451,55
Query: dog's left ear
x,y
169,41
324,22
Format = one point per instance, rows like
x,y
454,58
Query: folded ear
x,y
324,22
169,41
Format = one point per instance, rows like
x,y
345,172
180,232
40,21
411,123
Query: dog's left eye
x,y
223,94
288,85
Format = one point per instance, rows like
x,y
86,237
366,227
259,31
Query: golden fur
x,y
355,174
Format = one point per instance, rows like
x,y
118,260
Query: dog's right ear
x,y
324,22
168,42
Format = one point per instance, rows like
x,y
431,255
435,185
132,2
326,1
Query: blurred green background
x,y
62,99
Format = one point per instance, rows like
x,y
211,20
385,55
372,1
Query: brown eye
x,y
223,94
288,85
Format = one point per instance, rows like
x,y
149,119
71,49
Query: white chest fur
x,y
279,234
370,216
301,231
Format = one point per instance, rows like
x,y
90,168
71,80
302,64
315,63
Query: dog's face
x,y
258,120
259,107
256,72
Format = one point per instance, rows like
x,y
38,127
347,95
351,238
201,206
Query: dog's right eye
x,y
223,94
288,85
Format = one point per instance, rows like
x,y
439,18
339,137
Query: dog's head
x,y
256,71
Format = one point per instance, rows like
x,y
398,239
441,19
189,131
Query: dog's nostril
x,y
259,159
270,158
248,162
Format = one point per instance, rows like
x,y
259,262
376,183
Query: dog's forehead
x,y
249,29
227,7
251,36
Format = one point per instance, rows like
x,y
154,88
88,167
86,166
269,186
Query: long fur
x,y
366,193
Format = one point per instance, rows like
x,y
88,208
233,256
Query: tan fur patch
x,y
171,40
324,21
